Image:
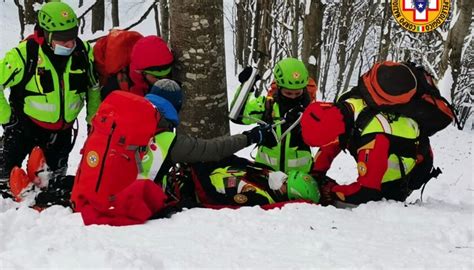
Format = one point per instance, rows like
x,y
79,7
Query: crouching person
x,y
392,159
122,153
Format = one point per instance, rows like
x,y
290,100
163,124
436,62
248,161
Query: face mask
x,y
63,51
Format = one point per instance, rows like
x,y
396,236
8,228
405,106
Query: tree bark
x,y
197,38
115,13
98,12
312,31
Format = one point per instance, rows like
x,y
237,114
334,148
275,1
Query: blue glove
x,y
258,134
165,108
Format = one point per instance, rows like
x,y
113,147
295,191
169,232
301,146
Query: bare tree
x,y
165,19
295,44
453,46
21,18
360,43
115,13
30,13
241,31
197,38
385,29
344,29
312,38
265,32
98,13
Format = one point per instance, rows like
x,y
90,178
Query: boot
x,y
19,183
37,169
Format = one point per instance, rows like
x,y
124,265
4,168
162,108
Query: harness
x,y
354,138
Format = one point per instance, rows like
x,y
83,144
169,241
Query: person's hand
x,y
245,74
293,114
258,134
327,196
319,176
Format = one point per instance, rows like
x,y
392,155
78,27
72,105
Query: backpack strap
x,y
30,62
18,94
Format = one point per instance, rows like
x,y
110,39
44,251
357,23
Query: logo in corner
x,y
420,16
92,159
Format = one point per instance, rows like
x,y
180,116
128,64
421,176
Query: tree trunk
x,y
115,13
265,33
256,29
98,12
248,36
157,20
21,18
384,42
165,19
30,13
312,31
197,38
296,27
240,32
344,26
455,41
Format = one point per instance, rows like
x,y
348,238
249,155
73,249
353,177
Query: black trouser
x,y
21,135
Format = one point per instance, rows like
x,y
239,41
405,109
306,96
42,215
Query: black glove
x,y
244,75
258,134
327,196
320,177
293,114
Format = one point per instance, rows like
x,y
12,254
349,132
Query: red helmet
x,y
322,123
150,52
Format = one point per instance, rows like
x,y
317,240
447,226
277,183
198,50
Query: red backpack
x,y
121,130
112,55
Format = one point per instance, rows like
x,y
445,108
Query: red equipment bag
x,y
112,53
111,155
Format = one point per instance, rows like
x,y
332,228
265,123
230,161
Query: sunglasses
x,y
158,73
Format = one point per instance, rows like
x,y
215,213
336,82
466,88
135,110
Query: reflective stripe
x,y
42,106
76,105
394,165
299,162
387,128
267,158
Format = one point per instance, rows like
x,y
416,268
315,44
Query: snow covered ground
x,y
436,234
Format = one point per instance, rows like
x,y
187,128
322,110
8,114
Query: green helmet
x,y
291,73
57,16
302,186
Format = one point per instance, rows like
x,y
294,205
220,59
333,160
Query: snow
x,y
435,234
380,235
